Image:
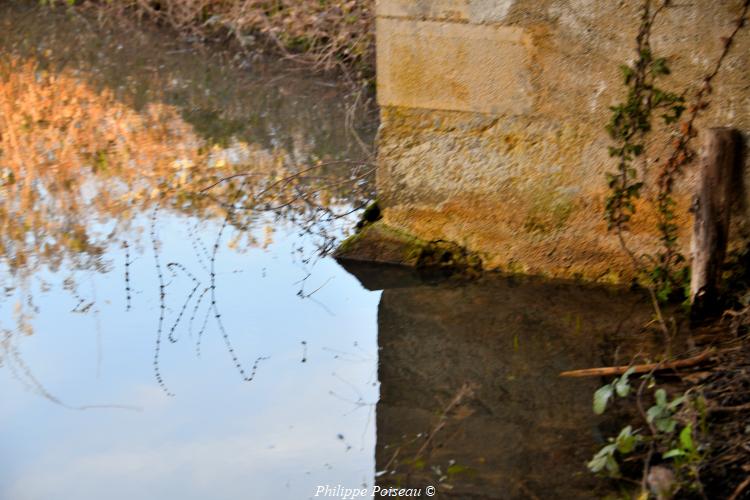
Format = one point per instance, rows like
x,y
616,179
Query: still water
x,y
173,329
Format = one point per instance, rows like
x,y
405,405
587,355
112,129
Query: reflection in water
x,y
81,165
161,215
470,397
72,155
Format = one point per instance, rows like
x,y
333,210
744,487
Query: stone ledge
x,y
382,244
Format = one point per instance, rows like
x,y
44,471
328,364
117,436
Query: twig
x,y
466,390
645,368
744,484
652,429
660,317
288,178
717,409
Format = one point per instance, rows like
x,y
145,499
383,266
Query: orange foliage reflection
x,y
72,156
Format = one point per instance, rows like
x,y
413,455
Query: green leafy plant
x,y
605,458
619,386
672,432
628,127
661,414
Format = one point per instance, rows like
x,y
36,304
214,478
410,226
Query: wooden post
x,y
712,208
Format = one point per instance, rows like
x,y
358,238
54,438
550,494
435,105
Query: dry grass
x,y
327,34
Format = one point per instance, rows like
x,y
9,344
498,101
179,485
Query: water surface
x,y
173,329
109,133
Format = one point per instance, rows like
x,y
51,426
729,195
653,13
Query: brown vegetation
x,y
328,34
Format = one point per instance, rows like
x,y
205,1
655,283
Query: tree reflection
x,y
79,170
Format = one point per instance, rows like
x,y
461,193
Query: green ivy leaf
x,y
659,66
627,73
603,458
653,413
626,440
612,466
622,386
601,398
675,452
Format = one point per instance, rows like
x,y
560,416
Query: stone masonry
x,y
493,115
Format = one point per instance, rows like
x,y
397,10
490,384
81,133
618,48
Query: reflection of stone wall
x,y
493,116
528,430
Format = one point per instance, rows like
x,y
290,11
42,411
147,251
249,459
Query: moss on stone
x,y
377,242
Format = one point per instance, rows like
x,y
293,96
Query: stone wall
x,y
493,115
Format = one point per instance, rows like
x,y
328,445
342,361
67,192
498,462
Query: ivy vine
x,y
629,126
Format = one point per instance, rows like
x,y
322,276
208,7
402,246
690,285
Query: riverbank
x,y
679,428
327,35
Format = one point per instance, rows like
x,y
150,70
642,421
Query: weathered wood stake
x,y
712,209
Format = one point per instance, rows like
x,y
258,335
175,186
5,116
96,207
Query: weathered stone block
x,y
453,66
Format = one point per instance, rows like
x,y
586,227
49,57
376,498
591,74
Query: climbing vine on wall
x,y
629,126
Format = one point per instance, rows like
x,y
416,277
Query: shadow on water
x,y
471,400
